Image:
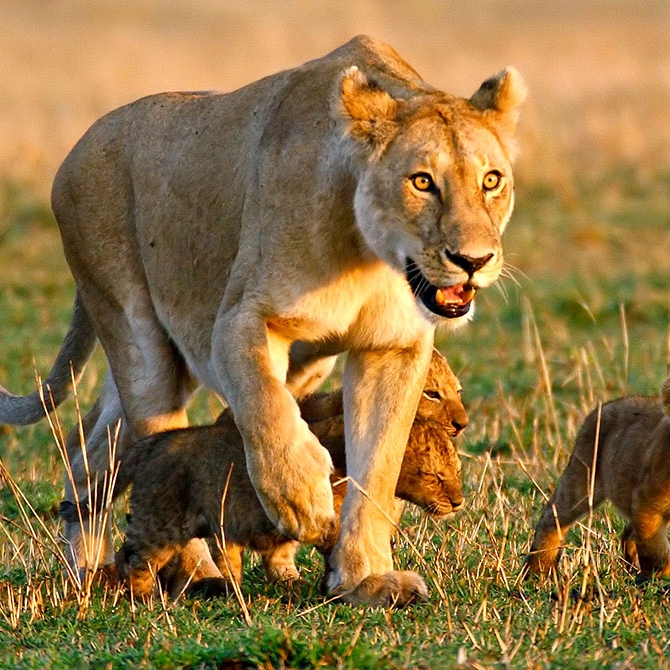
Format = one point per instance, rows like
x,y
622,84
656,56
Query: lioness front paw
x,y
296,492
397,588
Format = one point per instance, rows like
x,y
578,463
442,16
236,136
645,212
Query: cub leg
x,y
279,562
252,368
138,564
381,394
629,546
569,503
194,565
229,559
650,534
90,543
650,513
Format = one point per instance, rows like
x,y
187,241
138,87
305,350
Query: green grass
x,y
586,320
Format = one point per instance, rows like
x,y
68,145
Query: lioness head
x,y
436,188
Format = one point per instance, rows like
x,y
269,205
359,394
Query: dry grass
x,y
588,321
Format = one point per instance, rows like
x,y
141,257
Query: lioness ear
x,y
504,92
500,97
368,112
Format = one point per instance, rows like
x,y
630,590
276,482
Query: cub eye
x,y
422,182
432,395
492,180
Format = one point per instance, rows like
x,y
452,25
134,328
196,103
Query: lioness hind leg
x,y
88,538
307,369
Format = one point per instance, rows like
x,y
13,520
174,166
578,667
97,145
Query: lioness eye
x,y
491,180
432,395
422,182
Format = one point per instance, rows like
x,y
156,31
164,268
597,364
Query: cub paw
x,y
208,588
397,588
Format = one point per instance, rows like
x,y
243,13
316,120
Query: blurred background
x,y
598,70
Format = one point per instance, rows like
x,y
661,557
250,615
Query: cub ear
x,y
366,110
500,97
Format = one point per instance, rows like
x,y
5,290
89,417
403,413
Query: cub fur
x,y
632,469
193,483
242,240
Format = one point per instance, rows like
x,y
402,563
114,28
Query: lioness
x,y
193,482
243,240
631,440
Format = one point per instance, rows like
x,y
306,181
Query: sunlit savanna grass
x,y
539,355
582,317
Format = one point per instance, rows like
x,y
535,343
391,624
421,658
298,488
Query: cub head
x,y
441,399
430,475
435,189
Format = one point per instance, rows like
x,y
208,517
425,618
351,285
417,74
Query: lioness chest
x,y
364,308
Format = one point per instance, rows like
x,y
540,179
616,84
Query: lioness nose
x,y
468,263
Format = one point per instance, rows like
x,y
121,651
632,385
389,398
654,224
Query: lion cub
x,y
193,483
632,470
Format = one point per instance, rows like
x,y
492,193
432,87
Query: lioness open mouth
x,y
447,301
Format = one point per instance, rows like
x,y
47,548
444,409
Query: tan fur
x,y
242,240
632,469
180,479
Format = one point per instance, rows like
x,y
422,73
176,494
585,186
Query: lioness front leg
x,y
287,466
381,394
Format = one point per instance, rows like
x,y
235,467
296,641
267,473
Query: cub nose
x,y
456,504
468,263
457,428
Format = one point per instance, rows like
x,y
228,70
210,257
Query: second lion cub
x,y
194,483
632,469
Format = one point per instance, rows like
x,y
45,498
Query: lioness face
x,y
437,189
434,207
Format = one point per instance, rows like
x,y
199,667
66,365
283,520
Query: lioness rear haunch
x,y
242,240
193,482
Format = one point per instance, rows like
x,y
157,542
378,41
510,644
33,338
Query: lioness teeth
x,y
460,295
